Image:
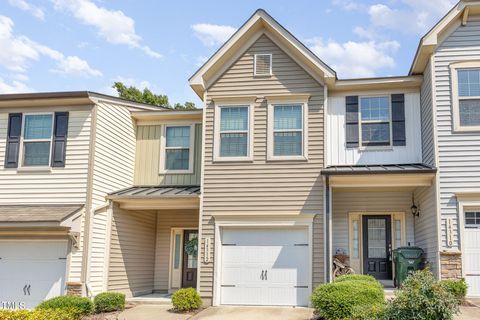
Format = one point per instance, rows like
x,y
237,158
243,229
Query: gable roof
x,y
457,16
259,23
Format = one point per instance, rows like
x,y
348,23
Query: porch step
x,y
151,299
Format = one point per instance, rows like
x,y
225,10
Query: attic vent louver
x,y
263,64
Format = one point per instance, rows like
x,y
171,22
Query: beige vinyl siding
x,y
98,251
58,186
132,252
147,161
426,113
366,202
166,220
261,186
459,152
426,236
76,254
114,151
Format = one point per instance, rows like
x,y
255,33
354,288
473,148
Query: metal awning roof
x,y
139,192
37,213
379,169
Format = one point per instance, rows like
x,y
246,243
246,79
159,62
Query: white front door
x,y
471,252
265,266
31,271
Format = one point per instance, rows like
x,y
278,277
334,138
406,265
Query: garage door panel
x,y
471,252
30,273
282,253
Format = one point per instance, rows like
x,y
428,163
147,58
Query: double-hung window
x,y
178,149
375,121
37,140
233,132
466,96
287,131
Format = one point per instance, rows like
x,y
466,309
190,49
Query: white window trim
x,y
163,149
455,96
255,64
270,135
360,122
250,126
21,166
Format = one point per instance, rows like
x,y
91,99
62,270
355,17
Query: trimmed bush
x,y
356,277
46,314
348,299
109,301
458,288
186,299
84,306
421,297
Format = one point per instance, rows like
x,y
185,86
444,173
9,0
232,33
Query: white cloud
x,y
213,34
414,16
200,60
19,51
14,87
73,65
30,8
348,5
355,59
112,25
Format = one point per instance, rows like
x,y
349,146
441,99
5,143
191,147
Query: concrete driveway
x,y
254,313
151,312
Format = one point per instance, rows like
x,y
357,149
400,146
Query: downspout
x,y
328,264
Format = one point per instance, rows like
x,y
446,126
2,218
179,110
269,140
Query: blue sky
x,y
58,45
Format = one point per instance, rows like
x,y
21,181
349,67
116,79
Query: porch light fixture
x,y
415,210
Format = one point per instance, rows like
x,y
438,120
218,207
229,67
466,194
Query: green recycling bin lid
x,y
410,252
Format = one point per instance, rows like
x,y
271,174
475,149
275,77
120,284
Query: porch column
x,y
328,240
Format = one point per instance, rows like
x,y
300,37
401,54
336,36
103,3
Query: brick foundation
x,y
74,289
451,265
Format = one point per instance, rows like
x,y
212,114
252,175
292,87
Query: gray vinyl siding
x,y
148,157
459,152
426,113
426,236
261,186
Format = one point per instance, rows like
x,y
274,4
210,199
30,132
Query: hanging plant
x,y
191,247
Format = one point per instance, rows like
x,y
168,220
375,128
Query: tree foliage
x,y
147,96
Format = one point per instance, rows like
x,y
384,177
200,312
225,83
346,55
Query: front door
x,y
377,246
190,253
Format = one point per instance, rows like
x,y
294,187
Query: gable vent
x,y
263,64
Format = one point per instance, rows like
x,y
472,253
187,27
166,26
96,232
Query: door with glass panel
x,y
190,254
377,246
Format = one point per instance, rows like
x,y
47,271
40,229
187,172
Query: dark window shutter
x,y
398,119
13,140
60,131
351,121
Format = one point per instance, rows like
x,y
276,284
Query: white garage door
x,y
471,251
31,271
265,267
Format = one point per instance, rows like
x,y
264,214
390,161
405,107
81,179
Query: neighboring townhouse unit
x,y
60,153
449,59
147,237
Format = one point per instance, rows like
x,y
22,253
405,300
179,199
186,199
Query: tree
x,y
147,96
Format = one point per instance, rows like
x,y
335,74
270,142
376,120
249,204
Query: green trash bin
x,y
407,260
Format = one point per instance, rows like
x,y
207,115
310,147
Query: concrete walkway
x,y
152,312
468,313
254,313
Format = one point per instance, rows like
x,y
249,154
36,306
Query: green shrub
x,y
186,299
109,301
355,277
369,312
43,314
421,297
348,299
84,306
458,288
